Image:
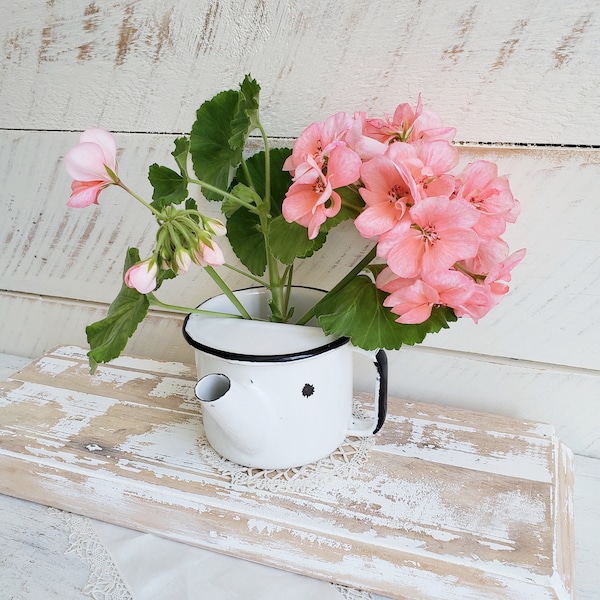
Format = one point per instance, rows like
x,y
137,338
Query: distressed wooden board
x,y
516,71
450,504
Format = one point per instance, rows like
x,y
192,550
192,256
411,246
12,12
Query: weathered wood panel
x,y
450,504
52,250
513,71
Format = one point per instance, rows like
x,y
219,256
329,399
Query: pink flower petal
x,y
85,162
85,193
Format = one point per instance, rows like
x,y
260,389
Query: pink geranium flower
x,y
480,185
414,300
142,276
92,164
489,293
389,191
313,199
428,163
408,125
441,235
358,139
317,141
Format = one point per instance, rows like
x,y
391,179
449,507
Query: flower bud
x,y
208,254
142,276
183,260
215,226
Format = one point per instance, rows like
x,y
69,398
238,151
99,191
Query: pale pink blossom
x,y
408,125
441,235
357,138
480,185
502,271
413,299
313,199
317,141
208,254
492,289
479,303
389,191
142,276
413,303
489,254
428,163
92,164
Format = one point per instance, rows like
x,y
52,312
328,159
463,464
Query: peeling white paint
x,y
53,366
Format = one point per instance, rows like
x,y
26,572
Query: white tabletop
x,y
48,554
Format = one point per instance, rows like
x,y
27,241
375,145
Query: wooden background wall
x,y
519,79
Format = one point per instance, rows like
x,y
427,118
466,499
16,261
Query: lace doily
x,y
105,582
346,460
352,594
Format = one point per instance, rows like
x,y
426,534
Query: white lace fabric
x,y
105,581
344,462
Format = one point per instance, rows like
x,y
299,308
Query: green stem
x,y
227,291
267,197
223,193
154,301
248,275
342,283
141,200
247,174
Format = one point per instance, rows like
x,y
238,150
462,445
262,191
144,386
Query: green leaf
x,y
289,241
280,179
247,240
246,116
169,186
243,227
107,338
212,156
180,154
357,312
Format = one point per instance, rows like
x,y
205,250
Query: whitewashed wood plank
x,y
36,323
412,516
548,317
510,72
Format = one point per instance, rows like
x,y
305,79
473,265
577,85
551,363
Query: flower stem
x,y
227,291
342,283
141,200
154,301
248,275
223,193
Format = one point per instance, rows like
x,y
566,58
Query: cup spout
x,y
240,412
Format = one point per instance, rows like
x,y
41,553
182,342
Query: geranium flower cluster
x,y
183,237
439,234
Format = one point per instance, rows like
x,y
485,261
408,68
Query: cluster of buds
x,y
184,237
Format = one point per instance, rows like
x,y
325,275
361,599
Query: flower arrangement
x,y
437,251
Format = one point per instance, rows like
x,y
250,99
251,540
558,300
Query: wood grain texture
x,y
450,504
511,72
